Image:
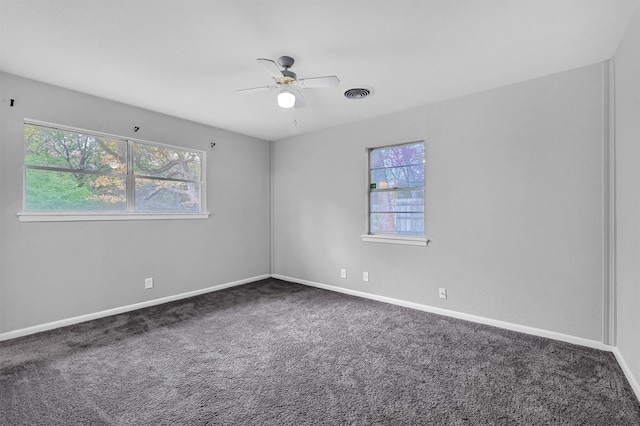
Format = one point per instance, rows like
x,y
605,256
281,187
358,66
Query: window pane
x,y
165,162
397,201
72,150
400,155
154,195
398,177
397,223
396,194
53,190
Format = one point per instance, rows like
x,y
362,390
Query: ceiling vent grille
x,y
357,93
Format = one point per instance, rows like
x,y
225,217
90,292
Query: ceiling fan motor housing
x,y
290,74
289,77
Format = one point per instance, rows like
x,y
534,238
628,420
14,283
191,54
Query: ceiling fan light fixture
x,y
286,99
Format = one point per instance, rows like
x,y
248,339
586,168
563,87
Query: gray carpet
x,y
277,353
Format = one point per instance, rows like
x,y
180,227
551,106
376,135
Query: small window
x,y
72,171
396,190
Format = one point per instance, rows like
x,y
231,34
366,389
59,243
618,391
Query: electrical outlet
x,y
148,283
443,293
365,276
343,273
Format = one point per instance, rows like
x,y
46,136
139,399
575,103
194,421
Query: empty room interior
x,y
442,227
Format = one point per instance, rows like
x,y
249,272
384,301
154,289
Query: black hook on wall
x,y
135,129
213,144
12,101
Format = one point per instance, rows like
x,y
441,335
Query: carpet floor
x,y
277,353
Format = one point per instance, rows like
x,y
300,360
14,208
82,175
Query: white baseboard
x,y
627,372
468,317
120,310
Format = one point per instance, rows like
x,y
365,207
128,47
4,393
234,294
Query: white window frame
x,y
73,216
397,239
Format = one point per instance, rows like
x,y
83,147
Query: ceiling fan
x,y
288,83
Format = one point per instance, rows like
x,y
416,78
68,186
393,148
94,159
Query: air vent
x,y
357,93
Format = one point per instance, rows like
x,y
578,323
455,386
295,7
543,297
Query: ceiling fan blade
x,y
300,100
270,67
310,83
256,89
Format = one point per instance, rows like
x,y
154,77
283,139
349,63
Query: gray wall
x,y
54,271
514,205
627,64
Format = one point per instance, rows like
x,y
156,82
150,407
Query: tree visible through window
x,y
396,190
74,171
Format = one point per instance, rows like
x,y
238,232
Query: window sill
x,y
396,239
81,217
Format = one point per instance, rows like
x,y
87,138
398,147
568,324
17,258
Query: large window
x,y
396,190
72,171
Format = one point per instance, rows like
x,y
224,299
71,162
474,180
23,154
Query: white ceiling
x,y
186,58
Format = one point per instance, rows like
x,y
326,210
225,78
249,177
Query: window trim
x,y
396,239
81,215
